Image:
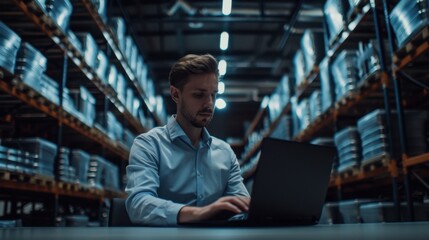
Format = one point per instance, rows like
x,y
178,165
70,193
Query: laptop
x,y
289,185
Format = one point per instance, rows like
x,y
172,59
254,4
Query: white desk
x,y
388,231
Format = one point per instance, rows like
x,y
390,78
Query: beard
x,y
194,119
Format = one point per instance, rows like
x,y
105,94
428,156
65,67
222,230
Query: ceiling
x,y
263,37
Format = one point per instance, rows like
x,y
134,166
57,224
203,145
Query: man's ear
x,y
174,92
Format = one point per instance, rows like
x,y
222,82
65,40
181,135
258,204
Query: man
x,y
178,173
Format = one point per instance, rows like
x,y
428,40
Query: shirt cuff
x,y
172,213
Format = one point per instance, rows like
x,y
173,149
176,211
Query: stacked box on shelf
x,y
114,127
60,11
118,27
160,108
331,214
326,85
96,171
74,40
372,129
9,45
378,212
313,51
121,86
315,104
350,209
110,179
30,65
334,12
136,107
128,138
283,129
112,76
15,160
345,73
69,106
64,171
273,107
129,100
49,89
285,87
79,159
368,60
89,47
145,120
101,66
101,6
298,68
300,114
408,18
139,68
85,102
44,150
347,142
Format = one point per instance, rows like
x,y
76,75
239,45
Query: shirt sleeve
x,y
143,205
235,185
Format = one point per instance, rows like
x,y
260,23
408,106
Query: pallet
x,y
375,163
42,180
349,172
409,49
26,178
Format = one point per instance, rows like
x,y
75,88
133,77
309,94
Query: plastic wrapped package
x,y
119,28
101,66
326,85
9,45
60,11
49,89
30,65
45,151
348,144
315,102
313,50
79,159
90,48
121,88
129,99
298,68
407,18
96,171
334,12
112,77
345,73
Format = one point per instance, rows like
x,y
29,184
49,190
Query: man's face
x,y
196,100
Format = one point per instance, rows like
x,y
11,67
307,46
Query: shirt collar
x,y
175,131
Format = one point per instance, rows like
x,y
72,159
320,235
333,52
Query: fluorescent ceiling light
x,y
222,67
226,7
224,38
220,103
221,87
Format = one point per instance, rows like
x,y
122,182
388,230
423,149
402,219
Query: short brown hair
x,y
189,65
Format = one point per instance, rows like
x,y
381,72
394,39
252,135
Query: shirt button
x,y
200,196
198,174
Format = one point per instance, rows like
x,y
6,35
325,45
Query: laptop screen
x,y
290,182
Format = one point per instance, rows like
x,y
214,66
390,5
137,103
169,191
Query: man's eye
x,y
198,95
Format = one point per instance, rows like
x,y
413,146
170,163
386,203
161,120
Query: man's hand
x,y
234,204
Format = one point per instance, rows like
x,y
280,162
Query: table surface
x,y
416,230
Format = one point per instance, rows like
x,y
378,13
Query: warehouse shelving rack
x,y
26,17
363,23
409,66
